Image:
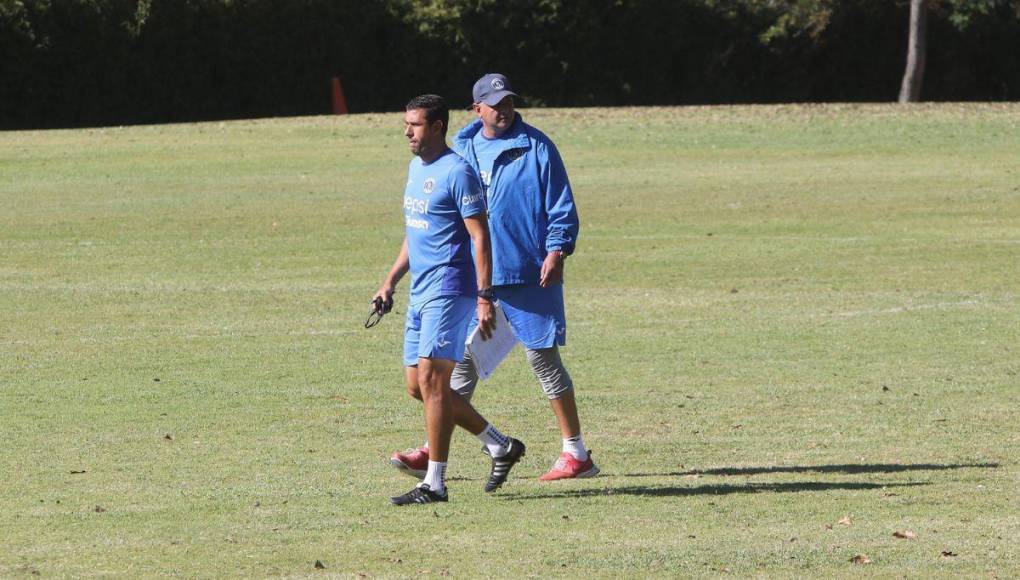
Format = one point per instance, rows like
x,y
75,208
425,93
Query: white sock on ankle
x,y
575,447
435,477
497,443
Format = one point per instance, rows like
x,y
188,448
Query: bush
x,y
96,62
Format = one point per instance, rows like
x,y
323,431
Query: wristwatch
x,y
487,294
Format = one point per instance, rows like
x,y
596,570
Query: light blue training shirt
x,y
486,151
438,196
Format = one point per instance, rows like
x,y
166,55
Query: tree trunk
x,y
913,76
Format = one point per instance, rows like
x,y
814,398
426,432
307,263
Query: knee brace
x,y
464,378
549,369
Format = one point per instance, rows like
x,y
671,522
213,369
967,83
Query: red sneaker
x,y
413,462
567,467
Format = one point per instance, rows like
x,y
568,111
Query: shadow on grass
x,y
718,489
847,468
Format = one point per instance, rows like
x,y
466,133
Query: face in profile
x,y
421,137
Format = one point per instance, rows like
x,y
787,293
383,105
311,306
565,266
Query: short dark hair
x,y
435,109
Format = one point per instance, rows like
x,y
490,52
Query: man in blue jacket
x,y
533,226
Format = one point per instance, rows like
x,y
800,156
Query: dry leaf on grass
x,y
905,535
860,559
948,554
846,521
319,565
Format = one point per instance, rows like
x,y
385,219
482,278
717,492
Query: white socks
x,y
495,442
575,447
435,477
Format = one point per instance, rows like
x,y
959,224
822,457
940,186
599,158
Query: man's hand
x,y
552,269
486,318
385,294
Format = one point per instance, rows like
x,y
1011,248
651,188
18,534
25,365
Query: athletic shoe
x,y
420,494
568,467
413,462
501,465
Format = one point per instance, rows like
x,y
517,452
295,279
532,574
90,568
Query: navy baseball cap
x,y
491,88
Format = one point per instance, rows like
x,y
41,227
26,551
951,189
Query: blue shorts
x,y
437,329
536,314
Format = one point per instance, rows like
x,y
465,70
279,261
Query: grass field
x,y
794,330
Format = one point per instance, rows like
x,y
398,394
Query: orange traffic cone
x,y
339,101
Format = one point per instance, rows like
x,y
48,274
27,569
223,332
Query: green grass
x,y
780,316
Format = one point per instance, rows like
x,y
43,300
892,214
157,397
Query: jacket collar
x,y
517,135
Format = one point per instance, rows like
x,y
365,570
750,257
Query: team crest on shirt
x,y
497,84
429,185
515,154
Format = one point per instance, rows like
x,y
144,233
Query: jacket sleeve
x,y
561,214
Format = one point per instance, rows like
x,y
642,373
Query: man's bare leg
x,y
464,415
505,451
575,460
434,382
565,407
433,377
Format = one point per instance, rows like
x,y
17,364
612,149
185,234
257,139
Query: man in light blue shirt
x,y
444,216
534,227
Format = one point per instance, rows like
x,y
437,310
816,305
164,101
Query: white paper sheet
x,y
487,354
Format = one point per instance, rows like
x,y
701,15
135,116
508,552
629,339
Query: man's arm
x,y
561,215
400,267
478,227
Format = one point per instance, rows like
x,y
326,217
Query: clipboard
x,y
487,354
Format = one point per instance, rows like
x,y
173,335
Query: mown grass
x,y
779,317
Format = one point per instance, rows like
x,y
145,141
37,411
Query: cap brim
x,y
494,99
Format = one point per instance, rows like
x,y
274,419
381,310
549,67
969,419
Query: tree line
x,y
66,63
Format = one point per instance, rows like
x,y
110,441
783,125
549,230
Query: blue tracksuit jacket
x,y
531,206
